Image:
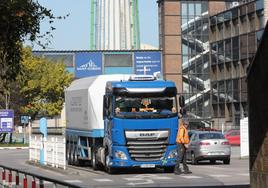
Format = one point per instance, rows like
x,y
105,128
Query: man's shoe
x,y
187,172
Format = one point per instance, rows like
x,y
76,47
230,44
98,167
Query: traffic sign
x,y
24,119
6,121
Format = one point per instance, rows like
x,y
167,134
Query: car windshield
x,y
150,107
204,136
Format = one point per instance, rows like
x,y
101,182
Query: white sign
x,y
244,144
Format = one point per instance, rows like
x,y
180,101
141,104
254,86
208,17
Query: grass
x,y
13,145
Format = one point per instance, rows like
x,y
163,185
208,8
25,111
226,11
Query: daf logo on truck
x,y
147,134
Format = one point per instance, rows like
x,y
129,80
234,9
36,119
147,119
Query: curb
x,y
10,148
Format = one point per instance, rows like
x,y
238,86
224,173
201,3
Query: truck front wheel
x,y
108,169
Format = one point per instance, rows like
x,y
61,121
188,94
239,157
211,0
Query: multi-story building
x,y
184,40
207,46
234,36
114,25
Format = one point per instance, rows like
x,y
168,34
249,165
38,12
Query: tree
x,y
42,85
19,20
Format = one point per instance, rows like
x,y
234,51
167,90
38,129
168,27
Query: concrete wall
x,y
258,113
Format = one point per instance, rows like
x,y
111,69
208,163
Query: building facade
x,y
184,41
114,25
234,37
207,56
91,63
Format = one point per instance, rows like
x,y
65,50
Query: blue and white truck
x,y
121,121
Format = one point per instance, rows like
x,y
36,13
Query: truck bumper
x,y
168,160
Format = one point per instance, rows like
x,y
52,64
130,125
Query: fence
x,y
11,177
48,151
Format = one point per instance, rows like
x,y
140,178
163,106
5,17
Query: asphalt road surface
x,y
235,175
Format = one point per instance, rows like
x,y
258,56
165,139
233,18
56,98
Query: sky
x,y
73,32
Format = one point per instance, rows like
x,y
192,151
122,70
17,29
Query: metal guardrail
x,y
7,180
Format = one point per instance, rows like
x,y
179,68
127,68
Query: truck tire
x,y
94,162
108,169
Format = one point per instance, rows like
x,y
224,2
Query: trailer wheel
x,y
94,162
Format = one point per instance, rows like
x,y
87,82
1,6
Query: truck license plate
x,y
148,166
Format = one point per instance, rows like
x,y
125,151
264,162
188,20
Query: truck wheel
x,y
108,169
94,160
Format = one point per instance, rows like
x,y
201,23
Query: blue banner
x,y
88,64
147,62
6,121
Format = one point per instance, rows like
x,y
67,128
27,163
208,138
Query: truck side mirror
x,y
181,101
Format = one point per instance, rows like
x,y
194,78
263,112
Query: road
x,y
205,175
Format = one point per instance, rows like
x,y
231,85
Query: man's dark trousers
x,y
181,158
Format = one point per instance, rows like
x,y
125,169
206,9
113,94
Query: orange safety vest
x,y
182,136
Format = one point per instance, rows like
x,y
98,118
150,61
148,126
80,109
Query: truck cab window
x,y
149,107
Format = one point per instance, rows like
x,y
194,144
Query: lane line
x,y
103,180
190,177
220,176
73,181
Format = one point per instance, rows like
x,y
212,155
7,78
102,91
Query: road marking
x,y
133,179
102,180
220,176
45,182
163,178
190,177
243,174
146,182
73,181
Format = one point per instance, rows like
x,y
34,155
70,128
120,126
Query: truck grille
x,y
147,145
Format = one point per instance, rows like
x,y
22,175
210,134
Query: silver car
x,y
208,145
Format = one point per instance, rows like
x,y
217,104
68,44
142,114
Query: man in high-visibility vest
x,y
182,145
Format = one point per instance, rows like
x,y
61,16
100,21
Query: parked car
x,y
208,145
233,135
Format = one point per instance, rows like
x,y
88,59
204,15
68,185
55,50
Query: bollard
x,y
25,181
17,178
3,176
41,183
33,183
10,177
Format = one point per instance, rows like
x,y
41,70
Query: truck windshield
x,y
153,107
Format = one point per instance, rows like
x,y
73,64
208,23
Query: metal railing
x,y
9,181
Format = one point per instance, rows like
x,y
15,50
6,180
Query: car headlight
x,y
120,155
172,154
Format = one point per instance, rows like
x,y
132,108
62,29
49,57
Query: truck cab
x,y
140,124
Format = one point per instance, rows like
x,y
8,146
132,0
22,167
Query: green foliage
x,y
19,20
42,85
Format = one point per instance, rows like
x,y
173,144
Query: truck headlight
x,y
120,155
172,154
